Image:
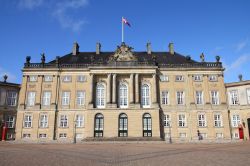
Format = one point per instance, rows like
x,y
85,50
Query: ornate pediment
x,y
123,53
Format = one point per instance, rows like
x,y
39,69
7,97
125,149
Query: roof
x,y
9,84
234,84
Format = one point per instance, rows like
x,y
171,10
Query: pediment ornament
x,y
123,53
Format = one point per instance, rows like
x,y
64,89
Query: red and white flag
x,y
125,21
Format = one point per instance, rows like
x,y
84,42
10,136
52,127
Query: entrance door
x,y
241,133
248,121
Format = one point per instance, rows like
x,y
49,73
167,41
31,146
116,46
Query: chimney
x,y
240,78
75,50
149,51
5,78
98,48
171,48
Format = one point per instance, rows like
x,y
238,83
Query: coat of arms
x,y
123,53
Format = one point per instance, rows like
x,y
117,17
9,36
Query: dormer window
x,y
197,77
179,78
213,78
81,78
164,78
47,78
67,79
32,78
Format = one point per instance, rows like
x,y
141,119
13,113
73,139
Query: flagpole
x,y
122,30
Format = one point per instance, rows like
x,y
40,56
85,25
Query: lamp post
x,y
74,133
170,138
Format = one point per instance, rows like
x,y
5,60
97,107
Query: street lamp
x,y
74,129
170,138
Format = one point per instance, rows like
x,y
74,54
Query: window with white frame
x,y
164,78
65,98
199,97
179,78
219,135
27,121
79,121
234,97
180,97
167,120
164,97
235,120
66,79
42,135
100,95
11,98
145,96
236,135
248,95
215,97
26,135
46,98
62,135
182,120
10,136
32,78
197,77
80,98
123,95
63,121
81,78
48,78
218,120
201,120
31,99
213,78
43,121
10,121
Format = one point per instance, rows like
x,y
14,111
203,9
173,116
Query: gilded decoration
x,y
123,53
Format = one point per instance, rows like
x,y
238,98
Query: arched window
x,y
147,125
100,95
123,125
145,96
98,132
123,95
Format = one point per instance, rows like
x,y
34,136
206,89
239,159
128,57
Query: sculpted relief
x,y
123,53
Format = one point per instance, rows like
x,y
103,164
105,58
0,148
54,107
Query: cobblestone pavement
x,y
118,154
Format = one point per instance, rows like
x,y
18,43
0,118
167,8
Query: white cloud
x,y
241,45
62,10
11,77
237,64
30,4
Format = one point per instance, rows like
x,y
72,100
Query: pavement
x,y
124,154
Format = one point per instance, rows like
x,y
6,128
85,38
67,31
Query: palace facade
x,y
123,95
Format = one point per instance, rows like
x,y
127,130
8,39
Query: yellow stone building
x,y
123,95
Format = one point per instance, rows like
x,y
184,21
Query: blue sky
x,y
215,27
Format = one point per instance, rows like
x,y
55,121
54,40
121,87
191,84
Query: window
x,y
183,135
62,135
166,120
47,78
199,97
145,96
179,78
164,78
80,98
147,125
11,98
219,135
236,135
79,121
201,120
32,78
10,136
67,79
64,121
123,95
100,95
123,125
43,121
197,77
234,97
215,97
65,98
98,125
235,120
31,98
164,97
182,120
212,78
180,97
10,121
46,98
248,95
26,135
42,135
81,78
218,120
27,121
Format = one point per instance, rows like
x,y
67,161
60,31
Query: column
x,y
91,88
114,89
136,88
154,88
108,88
131,90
